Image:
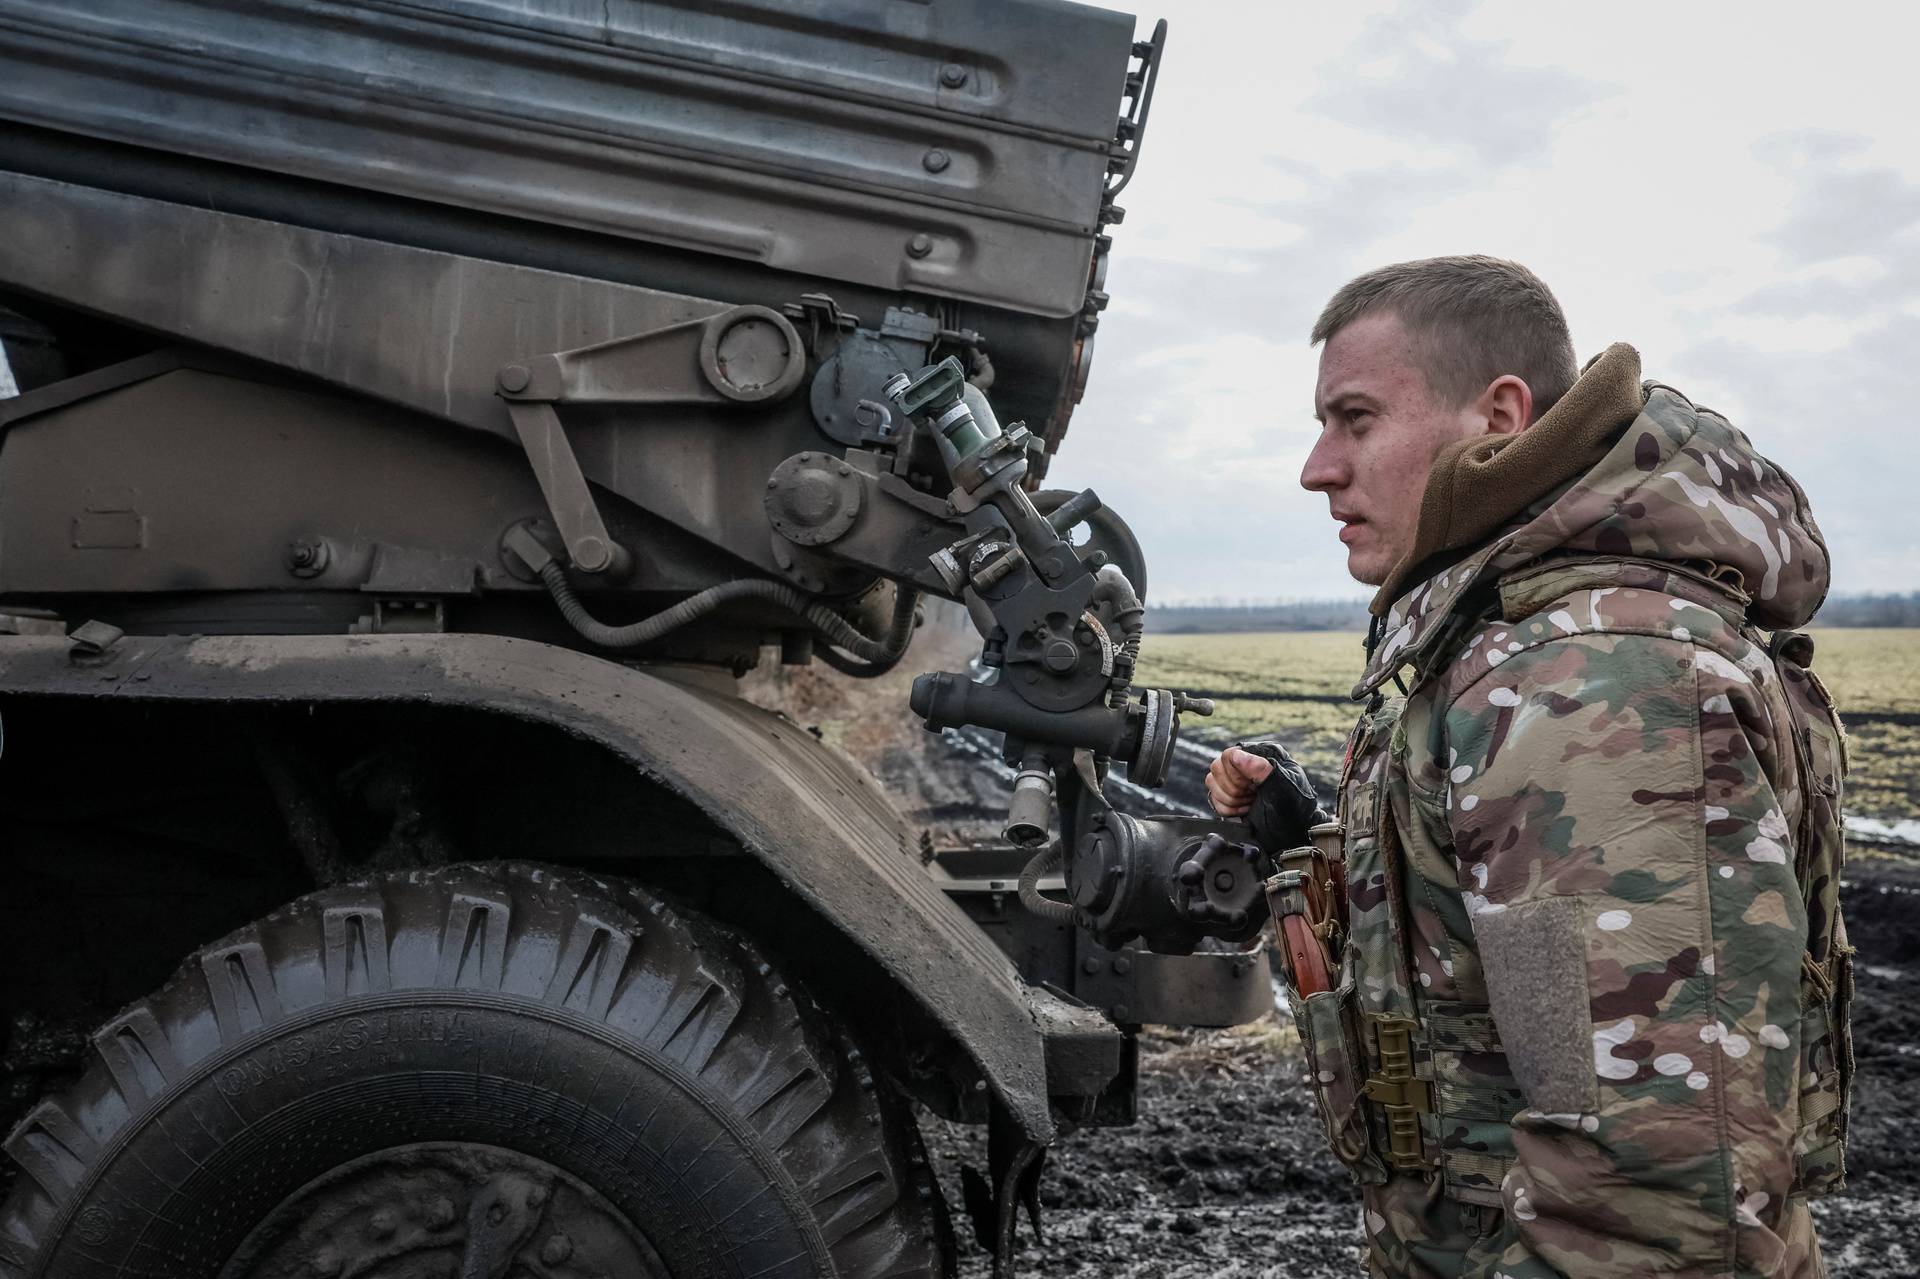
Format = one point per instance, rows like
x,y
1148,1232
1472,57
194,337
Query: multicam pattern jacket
x,y
1590,1012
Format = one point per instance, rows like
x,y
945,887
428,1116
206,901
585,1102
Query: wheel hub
x,y
445,1209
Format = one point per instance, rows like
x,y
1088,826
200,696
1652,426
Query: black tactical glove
x,y
1285,804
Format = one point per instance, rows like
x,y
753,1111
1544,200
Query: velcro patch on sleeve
x,y
1535,958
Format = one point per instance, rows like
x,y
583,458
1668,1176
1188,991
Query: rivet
x,y
953,75
384,1223
514,377
1090,965
441,1213
556,1250
936,160
326,1262
920,245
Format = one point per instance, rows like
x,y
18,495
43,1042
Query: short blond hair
x,y
1473,319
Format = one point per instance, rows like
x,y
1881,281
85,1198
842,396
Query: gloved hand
x,y
1267,786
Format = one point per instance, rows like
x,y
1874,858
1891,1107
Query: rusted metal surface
x,y
823,825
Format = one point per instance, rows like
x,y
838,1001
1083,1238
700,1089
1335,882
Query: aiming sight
x,y
1062,628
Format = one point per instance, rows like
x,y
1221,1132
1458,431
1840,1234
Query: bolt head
x,y
592,555
306,559
953,75
919,246
936,160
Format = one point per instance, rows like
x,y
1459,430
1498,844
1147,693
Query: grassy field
x,y
1293,687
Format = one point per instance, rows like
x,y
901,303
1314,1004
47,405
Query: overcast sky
x,y
1733,188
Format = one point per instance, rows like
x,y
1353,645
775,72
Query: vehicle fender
x,y
819,821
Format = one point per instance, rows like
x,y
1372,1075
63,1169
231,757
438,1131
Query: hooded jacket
x,y
1616,468
1571,863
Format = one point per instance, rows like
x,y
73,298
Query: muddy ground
x,y
1225,1174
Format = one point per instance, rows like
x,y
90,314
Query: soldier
x,y
1587,1013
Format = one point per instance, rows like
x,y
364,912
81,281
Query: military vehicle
x,y
422,412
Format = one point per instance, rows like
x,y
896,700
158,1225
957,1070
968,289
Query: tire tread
x,y
668,981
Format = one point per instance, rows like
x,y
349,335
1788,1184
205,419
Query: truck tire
x,y
483,1071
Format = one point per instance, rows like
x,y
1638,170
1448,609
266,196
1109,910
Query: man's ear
x,y
1506,405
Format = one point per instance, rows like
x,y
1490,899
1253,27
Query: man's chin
x,y
1367,567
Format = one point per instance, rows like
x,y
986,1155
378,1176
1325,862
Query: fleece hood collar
x,y
1616,468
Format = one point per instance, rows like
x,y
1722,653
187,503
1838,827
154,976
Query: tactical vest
x,y
1406,1084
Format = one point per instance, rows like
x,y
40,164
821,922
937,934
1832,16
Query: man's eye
x,y
1358,416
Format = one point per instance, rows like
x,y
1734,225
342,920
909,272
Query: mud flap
x,y
1014,1162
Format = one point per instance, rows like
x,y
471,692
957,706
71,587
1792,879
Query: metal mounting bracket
x,y
743,355
589,546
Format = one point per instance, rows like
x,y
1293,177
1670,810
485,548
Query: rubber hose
x,y
1044,862
1112,587
899,633
831,626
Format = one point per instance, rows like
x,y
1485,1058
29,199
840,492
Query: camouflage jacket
x,y
1586,1016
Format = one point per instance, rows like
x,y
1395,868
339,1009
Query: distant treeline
x,y
1257,615
1870,610
1351,614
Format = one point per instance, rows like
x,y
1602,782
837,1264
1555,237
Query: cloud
x,y
1199,414
1841,424
1833,395
1415,74
1670,190
1841,209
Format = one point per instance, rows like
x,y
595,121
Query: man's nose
x,y
1325,470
